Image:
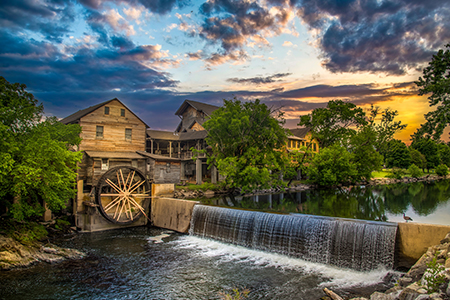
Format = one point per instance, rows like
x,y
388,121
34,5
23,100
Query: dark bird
x,y
406,218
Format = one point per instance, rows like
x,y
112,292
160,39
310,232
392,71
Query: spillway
x,y
355,244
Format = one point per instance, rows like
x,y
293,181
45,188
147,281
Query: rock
x,y
446,239
14,255
408,294
359,298
382,296
447,291
393,289
405,280
423,297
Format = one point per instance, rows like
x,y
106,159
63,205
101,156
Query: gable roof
x,y
203,107
73,118
300,132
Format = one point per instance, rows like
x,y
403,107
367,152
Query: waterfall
x,y
355,244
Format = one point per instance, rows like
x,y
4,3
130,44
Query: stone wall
x,y
173,214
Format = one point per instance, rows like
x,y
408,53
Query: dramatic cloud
x,y
44,68
377,36
232,23
260,80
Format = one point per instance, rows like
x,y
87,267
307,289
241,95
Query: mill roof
x,y
73,118
300,132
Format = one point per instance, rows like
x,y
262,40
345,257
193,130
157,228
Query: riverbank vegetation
x,y
37,163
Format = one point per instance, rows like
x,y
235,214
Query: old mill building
x,y
123,157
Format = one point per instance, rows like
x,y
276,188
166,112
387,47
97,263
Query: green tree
x,y
334,123
429,149
386,128
418,158
442,170
331,166
444,154
436,83
364,156
246,138
397,155
36,164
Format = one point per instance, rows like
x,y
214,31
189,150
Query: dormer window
x,y
122,112
106,110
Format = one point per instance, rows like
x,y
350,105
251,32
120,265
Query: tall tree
x,y
429,149
397,155
386,127
418,158
36,164
364,155
245,138
436,82
338,121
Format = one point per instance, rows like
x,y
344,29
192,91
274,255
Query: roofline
x,y
97,106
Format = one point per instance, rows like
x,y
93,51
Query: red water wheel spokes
x,y
122,194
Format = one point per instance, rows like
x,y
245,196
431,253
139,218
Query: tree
x,y
36,164
386,128
444,154
418,158
338,121
429,149
436,82
363,153
245,138
397,155
332,166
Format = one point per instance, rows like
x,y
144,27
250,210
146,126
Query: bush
x,y
442,170
24,232
397,173
415,171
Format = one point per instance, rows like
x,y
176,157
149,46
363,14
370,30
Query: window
x,y
314,147
106,110
128,134
99,132
104,164
122,112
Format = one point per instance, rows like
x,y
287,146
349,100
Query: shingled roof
x,y
75,117
300,132
208,109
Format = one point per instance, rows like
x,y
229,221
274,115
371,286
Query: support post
x,y
151,146
198,171
213,174
183,171
170,148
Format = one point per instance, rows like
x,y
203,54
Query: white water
x,y
333,276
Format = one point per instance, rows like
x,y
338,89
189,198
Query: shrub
x,y
433,276
442,170
415,171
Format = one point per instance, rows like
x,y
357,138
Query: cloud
x,y
260,80
389,37
287,44
232,23
44,68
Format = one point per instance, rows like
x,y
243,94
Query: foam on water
x,y
333,276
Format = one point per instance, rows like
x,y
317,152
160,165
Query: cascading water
x,y
359,245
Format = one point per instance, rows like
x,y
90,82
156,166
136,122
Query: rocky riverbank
x,y
16,255
428,279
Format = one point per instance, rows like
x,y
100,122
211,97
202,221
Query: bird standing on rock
x,y
406,218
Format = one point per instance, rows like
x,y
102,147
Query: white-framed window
x,y
99,132
128,134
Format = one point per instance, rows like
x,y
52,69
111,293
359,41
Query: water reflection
x,y
418,200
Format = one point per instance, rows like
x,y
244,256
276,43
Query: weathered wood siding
x,y
114,126
160,173
189,116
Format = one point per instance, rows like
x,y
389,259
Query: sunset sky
x,y
153,55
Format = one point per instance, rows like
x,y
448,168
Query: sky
x,y
295,55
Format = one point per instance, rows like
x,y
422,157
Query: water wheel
x,y
122,195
